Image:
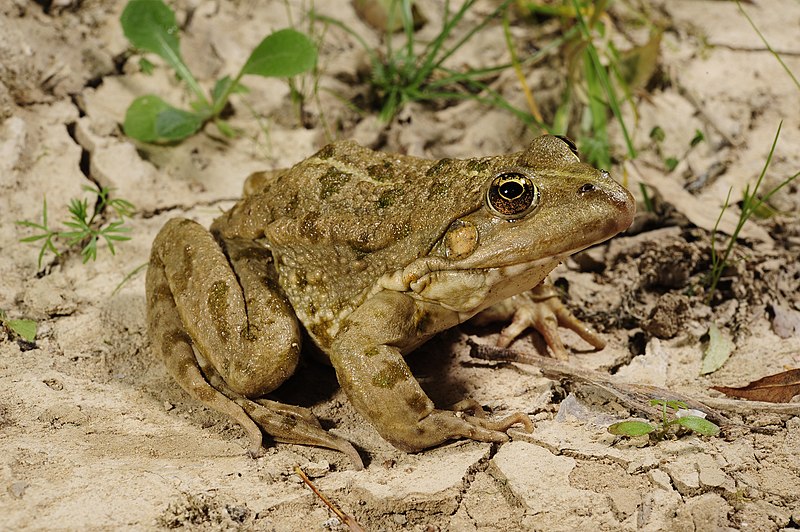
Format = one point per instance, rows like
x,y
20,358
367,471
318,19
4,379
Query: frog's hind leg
x,y
227,334
175,347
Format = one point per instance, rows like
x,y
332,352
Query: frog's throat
x,y
467,290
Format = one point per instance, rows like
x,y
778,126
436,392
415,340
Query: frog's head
x,y
539,206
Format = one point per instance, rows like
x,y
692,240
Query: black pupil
x,y
511,190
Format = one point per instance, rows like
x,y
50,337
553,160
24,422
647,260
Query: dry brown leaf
x,y
778,388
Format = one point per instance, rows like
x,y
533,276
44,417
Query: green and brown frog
x,y
371,254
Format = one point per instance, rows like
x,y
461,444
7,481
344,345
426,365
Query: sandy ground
x,y
94,435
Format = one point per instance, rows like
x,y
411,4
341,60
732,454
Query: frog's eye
x,y
512,195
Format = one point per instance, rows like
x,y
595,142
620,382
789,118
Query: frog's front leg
x,y
542,309
368,357
226,332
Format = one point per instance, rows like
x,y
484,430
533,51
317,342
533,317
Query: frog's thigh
x,y
244,328
171,342
379,384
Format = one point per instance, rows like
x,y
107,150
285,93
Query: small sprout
x,y
697,139
150,26
683,416
24,328
657,134
417,72
751,204
84,229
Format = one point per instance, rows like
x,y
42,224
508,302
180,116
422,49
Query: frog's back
x,y
347,215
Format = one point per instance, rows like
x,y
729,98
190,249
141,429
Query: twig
x,y
634,396
351,523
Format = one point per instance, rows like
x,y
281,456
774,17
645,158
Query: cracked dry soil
x,y
94,435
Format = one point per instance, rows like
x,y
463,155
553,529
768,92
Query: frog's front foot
x,y
541,309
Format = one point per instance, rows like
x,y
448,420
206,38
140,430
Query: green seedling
x,y
680,416
84,230
751,204
599,78
416,73
25,329
150,26
657,135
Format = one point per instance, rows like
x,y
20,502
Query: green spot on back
x,y
332,182
326,152
381,172
438,167
477,165
218,307
388,197
391,374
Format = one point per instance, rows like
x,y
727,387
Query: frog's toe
x,y
469,405
478,416
442,425
546,316
297,425
502,425
290,410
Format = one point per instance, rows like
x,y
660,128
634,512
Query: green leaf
x,y
657,134
150,119
697,139
718,350
177,124
34,238
25,328
698,425
631,428
284,53
150,25
140,118
671,163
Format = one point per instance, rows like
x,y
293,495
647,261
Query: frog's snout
x,y
621,206
623,200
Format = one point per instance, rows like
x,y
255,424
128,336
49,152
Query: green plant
x,y
681,416
84,229
413,72
657,135
599,78
150,26
25,329
751,204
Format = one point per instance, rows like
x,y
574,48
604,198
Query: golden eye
x,y
512,195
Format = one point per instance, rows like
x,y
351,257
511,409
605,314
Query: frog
x,y
366,255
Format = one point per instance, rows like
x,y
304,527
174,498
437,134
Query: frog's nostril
x,y
586,188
